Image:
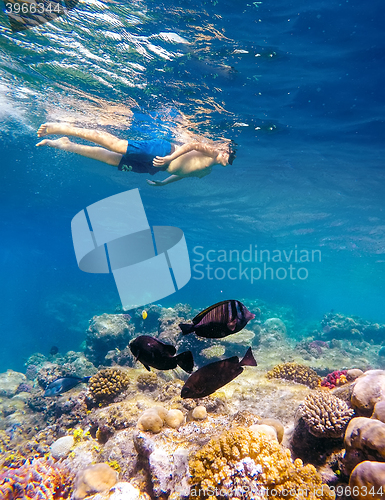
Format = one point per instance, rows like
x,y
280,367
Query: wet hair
x,y
232,151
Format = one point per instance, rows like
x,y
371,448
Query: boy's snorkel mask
x,y
232,152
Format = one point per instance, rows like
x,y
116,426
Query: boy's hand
x,y
154,183
159,161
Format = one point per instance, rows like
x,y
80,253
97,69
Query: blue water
x,y
299,87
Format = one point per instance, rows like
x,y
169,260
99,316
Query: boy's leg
x,y
93,152
100,137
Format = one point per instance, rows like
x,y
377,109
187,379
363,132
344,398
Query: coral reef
x,y
367,481
379,411
255,466
154,418
339,326
148,381
199,413
368,389
108,383
94,479
105,333
364,440
335,379
37,479
9,382
297,373
325,415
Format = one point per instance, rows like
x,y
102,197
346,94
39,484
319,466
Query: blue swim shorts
x,y
140,154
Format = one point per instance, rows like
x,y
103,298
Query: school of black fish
x,y
217,321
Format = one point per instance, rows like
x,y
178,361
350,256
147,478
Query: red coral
x,y
334,379
37,479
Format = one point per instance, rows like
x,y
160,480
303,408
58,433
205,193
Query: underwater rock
x,y
62,446
94,479
168,470
364,440
368,389
367,481
9,382
105,333
124,491
214,351
325,415
297,373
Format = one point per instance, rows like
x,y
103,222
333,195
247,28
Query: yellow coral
x,y
213,469
114,464
297,373
107,383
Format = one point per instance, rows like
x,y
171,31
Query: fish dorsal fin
x,y
199,316
248,359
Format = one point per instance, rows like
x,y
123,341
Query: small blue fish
x,y
63,384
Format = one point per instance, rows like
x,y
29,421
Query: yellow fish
x,y
144,314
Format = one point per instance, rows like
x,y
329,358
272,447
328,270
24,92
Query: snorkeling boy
x,y
193,159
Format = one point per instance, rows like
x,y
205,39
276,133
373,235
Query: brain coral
x,y
368,481
297,373
38,479
255,467
325,415
108,383
93,479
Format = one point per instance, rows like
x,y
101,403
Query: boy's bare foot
x,y
57,143
52,128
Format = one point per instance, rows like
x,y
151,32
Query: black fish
x,y
54,350
213,376
219,320
63,384
152,352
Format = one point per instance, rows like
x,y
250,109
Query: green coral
x,y
216,468
297,373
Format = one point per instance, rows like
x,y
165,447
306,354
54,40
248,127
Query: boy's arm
x,y
169,180
206,149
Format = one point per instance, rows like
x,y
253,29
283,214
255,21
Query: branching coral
x,y
255,467
107,383
297,373
325,415
37,479
148,381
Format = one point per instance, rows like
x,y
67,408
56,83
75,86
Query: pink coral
x,y
38,479
334,379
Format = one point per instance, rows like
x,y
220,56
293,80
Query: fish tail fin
x,y
186,361
186,328
248,359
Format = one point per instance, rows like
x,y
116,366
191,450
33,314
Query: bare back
x,y
191,164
